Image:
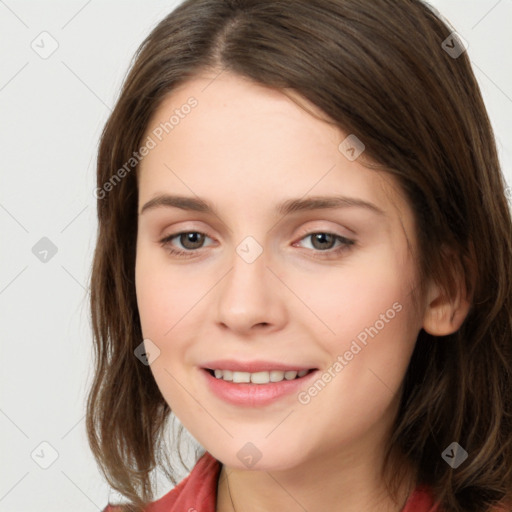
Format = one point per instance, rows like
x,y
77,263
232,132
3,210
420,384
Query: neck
x,y
353,485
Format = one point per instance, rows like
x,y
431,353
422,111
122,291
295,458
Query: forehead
x,y
239,114
244,141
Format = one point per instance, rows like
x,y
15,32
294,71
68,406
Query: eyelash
x,y
346,244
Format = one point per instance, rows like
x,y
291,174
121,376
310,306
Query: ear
x,y
446,310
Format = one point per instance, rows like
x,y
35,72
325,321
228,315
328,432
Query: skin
x,y
245,148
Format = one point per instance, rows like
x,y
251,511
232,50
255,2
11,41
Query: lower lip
x,y
255,395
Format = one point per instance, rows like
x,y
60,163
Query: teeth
x,y
241,377
276,376
258,377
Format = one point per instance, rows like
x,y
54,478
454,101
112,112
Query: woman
x,y
373,373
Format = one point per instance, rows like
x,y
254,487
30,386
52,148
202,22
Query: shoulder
x,y
421,500
196,492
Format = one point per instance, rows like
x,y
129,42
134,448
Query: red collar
x,y
198,492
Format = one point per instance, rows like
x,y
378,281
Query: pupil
x,y
189,239
320,237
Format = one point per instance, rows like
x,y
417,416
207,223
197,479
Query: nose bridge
x,y
249,295
248,279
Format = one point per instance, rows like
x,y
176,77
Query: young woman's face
x,y
271,281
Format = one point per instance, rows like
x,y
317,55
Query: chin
x,y
258,456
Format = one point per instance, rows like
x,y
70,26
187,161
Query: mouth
x,y
257,388
260,377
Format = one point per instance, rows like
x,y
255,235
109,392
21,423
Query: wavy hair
x,y
379,70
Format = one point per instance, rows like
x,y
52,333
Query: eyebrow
x,y
197,204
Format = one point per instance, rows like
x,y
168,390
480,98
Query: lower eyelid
x,y
172,236
345,242
166,240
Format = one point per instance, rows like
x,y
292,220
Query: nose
x,y
251,297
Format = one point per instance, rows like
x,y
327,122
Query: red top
x,y
198,492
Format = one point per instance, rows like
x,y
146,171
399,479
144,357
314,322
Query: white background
x,y
52,112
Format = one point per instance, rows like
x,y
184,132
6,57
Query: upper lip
x,y
252,366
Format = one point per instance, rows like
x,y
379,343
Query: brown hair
x,y
378,70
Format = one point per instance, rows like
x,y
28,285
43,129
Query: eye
x,y
192,240
323,242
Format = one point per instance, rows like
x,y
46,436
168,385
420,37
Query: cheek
x,y
170,301
381,319
372,323
368,359
151,301
369,289
163,294
162,301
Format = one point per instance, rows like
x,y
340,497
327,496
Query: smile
x,y
257,388
263,377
